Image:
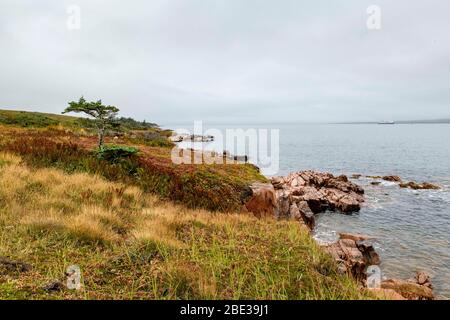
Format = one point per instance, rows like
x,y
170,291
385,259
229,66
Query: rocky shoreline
x,y
402,184
191,138
301,195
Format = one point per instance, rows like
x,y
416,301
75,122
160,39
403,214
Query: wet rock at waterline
x,y
395,289
353,257
423,279
406,185
419,186
354,254
302,213
410,289
354,237
306,214
392,178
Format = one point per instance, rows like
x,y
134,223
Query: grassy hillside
x,y
27,119
132,245
33,119
140,131
65,143
141,227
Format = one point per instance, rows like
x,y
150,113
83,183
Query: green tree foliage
x,y
104,116
115,153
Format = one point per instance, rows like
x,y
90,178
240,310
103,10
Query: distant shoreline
x,y
444,121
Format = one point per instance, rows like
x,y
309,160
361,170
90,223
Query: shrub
x,y
116,153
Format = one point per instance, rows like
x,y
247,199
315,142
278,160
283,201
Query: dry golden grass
x,y
131,245
78,203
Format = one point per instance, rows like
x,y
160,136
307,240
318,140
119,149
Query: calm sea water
x,y
412,228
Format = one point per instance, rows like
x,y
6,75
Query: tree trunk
x,y
101,134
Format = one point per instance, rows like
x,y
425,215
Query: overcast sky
x,y
172,61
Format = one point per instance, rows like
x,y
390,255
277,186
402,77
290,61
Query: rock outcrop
x,y
322,191
419,288
354,254
262,200
303,194
353,257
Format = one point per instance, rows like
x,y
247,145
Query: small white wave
x,y
374,202
325,237
388,183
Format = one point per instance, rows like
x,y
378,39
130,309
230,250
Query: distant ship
x,y
386,122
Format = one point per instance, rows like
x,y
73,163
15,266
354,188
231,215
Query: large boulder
x,y
283,200
306,214
261,200
302,213
409,289
353,257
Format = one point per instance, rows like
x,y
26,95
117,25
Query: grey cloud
x,y
231,61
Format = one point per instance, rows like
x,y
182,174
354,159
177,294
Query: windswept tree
x,y
103,115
